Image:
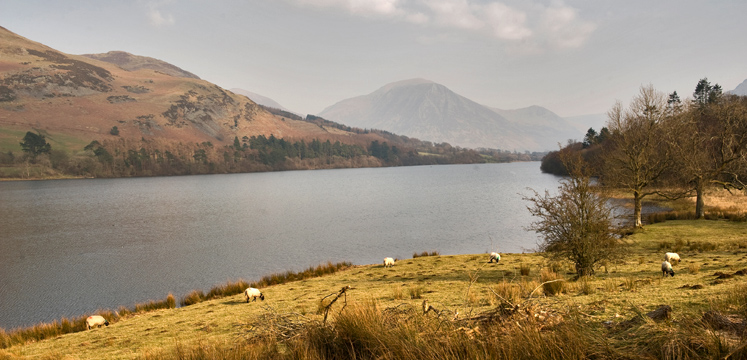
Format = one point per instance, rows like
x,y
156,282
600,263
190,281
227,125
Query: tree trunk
x,y
699,201
637,209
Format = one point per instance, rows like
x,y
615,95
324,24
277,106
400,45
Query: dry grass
x,y
374,317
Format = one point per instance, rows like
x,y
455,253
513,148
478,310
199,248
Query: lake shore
x,y
461,284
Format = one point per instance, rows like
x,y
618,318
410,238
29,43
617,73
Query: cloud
x,y
563,29
154,15
529,24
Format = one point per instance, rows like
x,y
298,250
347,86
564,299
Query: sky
x,y
573,57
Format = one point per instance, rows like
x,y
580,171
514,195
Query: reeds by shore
x,y
64,326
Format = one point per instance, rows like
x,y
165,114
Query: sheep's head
x,y
262,296
106,322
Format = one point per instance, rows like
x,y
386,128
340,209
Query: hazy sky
x,y
572,57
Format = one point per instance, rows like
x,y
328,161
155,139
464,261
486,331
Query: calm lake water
x,y
70,247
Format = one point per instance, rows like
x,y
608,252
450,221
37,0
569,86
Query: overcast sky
x,y
572,57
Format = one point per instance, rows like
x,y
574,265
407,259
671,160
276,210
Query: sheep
x,y
253,293
673,258
96,320
495,256
666,268
388,262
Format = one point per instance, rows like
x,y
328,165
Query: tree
x,y
710,147
705,93
576,224
35,144
114,131
590,138
637,154
674,104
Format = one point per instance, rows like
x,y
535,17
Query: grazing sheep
x,y
253,293
388,262
495,256
96,320
673,258
666,268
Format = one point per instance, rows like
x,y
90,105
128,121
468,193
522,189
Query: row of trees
x,y
661,145
121,157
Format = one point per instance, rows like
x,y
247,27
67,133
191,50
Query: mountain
x,y
741,89
583,122
259,99
131,62
543,125
83,98
430,111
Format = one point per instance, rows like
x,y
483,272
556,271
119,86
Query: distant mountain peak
x,y
430,111
741,89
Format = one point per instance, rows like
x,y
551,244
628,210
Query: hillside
x,y
600,317
132,62
430,111
69,96
542,125
259,99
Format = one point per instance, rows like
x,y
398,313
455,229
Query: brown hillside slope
x,y
44,89
132,62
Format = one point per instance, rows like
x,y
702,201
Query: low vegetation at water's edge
x,y
526,306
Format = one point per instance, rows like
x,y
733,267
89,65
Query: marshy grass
x,y
385,322
425,253
238,287
368,331
66,326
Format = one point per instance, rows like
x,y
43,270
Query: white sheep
x,y
388,262
253,293
666,268
673,258
495,256
96,320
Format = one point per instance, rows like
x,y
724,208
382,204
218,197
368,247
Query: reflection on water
x,y
70,247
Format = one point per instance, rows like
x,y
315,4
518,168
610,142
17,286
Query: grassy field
x,y
590,312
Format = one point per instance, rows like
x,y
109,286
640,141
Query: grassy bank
x,y
479,310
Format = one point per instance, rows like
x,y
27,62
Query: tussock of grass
x,y
553,283
524,269
425,253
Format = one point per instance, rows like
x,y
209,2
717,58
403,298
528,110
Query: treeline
x,y
120,157
662,145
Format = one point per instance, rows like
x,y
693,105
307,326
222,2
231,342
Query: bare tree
x,y
576,223
637,154
710,146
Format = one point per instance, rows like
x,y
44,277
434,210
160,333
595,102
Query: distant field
x,y
11,138
461,286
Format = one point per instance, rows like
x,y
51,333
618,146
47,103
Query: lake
x,y
70,247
